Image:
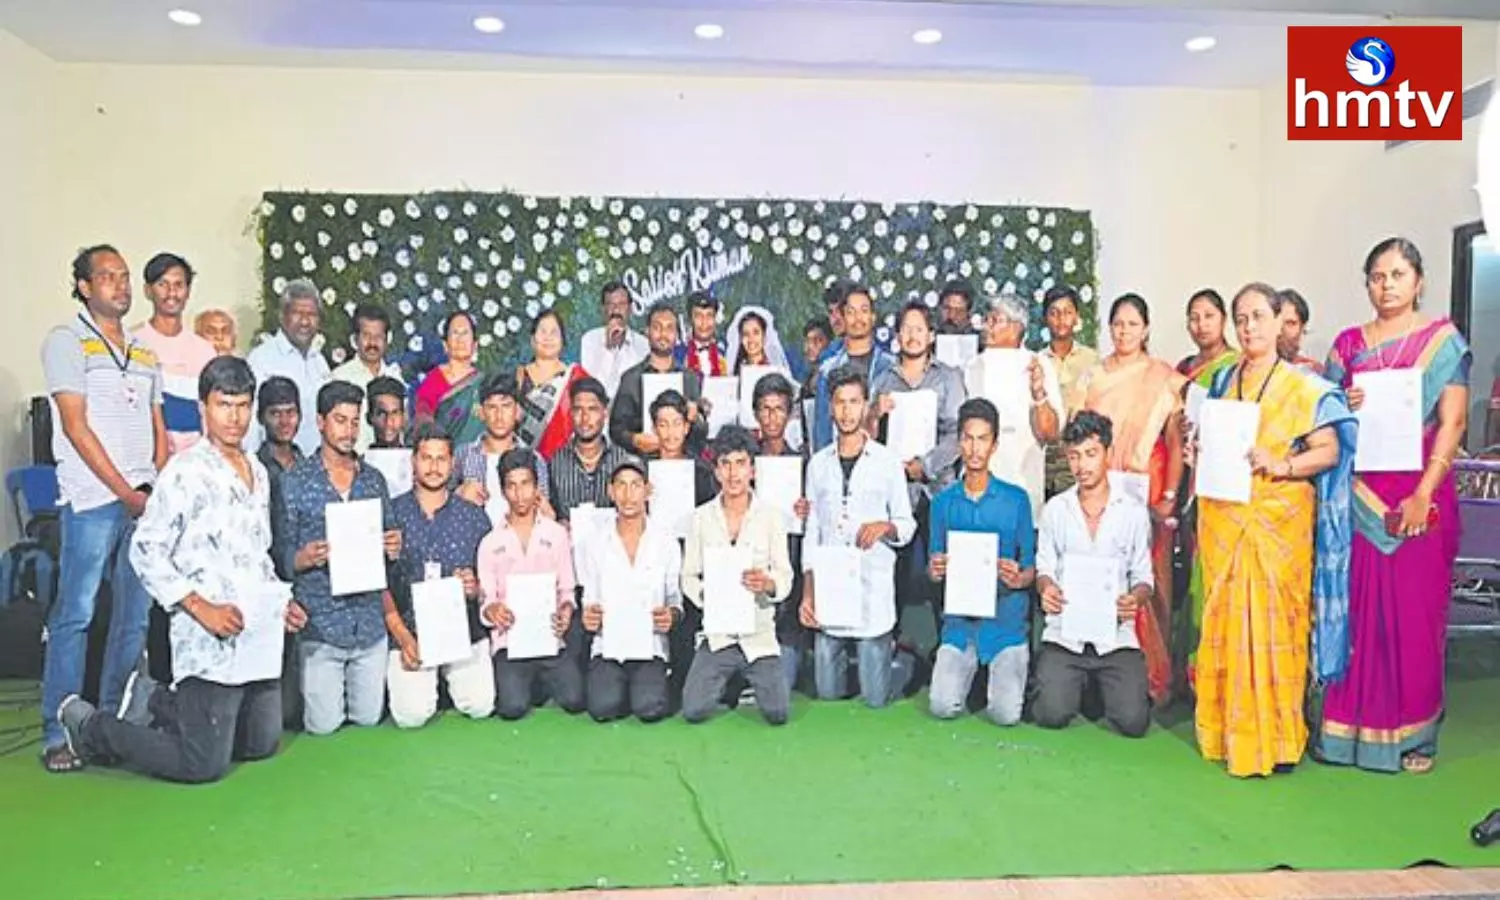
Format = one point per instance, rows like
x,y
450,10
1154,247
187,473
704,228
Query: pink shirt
x,y
501,554
182,359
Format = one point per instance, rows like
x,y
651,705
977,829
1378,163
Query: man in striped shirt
x,y
181,353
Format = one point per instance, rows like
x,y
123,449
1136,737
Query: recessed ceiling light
x,y
709,31
927,36
489,25
185,17
1201,43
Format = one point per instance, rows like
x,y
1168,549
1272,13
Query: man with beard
x,y
110,441
956,306
626,417
607,351
295,352
857,351
343,649
201,550
181,353
372,337
440,535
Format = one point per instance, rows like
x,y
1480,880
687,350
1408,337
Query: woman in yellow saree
x,y
1277,564
1142,397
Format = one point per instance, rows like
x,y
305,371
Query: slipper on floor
x,y
60,759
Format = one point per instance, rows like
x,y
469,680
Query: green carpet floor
x,y
840,794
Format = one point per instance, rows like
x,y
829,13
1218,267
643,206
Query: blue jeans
x,y
94,542
341,685
879,683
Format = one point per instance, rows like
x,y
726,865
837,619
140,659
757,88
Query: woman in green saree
x,y
449,394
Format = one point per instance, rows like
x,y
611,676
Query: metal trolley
x,y
1476,573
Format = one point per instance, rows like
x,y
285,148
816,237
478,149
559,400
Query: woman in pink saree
x,y
1385,711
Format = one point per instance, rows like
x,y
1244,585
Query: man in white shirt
x,y
372,337
1091,520
607,351
737,519
295,352
202,550
634,562
857,488
1024,388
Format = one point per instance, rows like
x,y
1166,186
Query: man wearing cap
x,y
181,353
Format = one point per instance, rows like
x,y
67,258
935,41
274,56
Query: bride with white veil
x,y
754,341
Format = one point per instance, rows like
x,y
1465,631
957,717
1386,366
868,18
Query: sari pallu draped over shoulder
x,y
1139,399
1275,580
1390,700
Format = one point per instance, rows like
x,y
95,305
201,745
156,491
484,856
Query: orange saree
x,y
1141,398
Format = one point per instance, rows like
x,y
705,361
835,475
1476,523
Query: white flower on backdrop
x,y
423,304
923,243
1033,233
1021,270
503,279
330,296
795,255
486,339
324,239
564,288
624,226
1010,242
403,257
278,284
354,252
616,207
276,250
899,245
409,326
413,211
645,244
299,247
939,213
507,234
702,237
337,264
528,202
856,273
444,265
965,269
930,272
819,254
416,241
441,212
371,248
455,282
778,245
481,278
627,246
1045,266
470,209
503,211
530,288
1033,216
814,233
513,323
1069,266
878,263
490,309
309,264
299,214
460,234
814,271
414,343
580,221
887,288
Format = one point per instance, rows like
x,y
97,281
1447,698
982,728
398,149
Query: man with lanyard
x,y
627,417
181,353
440,532
202,549
110,441
857,350
296,353
372,338
607,351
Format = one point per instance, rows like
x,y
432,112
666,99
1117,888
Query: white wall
x,y
26,182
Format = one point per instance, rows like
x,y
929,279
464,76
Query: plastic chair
x,y
33,489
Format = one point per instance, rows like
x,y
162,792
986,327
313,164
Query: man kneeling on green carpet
x,y
202,550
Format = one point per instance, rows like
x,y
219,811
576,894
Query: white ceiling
x,y
1107,42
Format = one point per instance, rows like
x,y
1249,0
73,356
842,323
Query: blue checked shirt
x,y
353,622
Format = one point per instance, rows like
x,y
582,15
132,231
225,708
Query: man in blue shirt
x,y
440,535
982,503
857,350
343,650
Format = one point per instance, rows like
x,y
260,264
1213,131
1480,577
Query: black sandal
x,y
60,759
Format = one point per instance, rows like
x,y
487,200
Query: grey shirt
x,y
938,466
121,388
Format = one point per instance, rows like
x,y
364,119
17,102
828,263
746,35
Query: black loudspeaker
x,y
40,417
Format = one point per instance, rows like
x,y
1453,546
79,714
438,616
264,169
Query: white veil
x,y
775,353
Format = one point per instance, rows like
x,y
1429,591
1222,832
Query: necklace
x,y
1239,386
1380,360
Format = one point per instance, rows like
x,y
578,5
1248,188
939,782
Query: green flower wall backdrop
x,y
506,257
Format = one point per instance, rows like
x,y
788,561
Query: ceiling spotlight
x,y
927,36
489,25
1201,43
185,17
709,31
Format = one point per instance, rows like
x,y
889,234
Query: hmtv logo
x,y
1375,83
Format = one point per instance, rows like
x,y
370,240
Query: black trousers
x,y
1061,676
198,730
635,688
525,683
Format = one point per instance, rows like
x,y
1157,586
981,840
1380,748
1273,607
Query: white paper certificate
x,y
1390,421
672,496
356,547
749,377
497,506
1091,587
1196,394
911,430
723,395
838,598
653,384
395,465
533,601
970,584
628,633
957,349
442,616
728,606
1225,439
1133,485
257,648
778,482
1007,384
